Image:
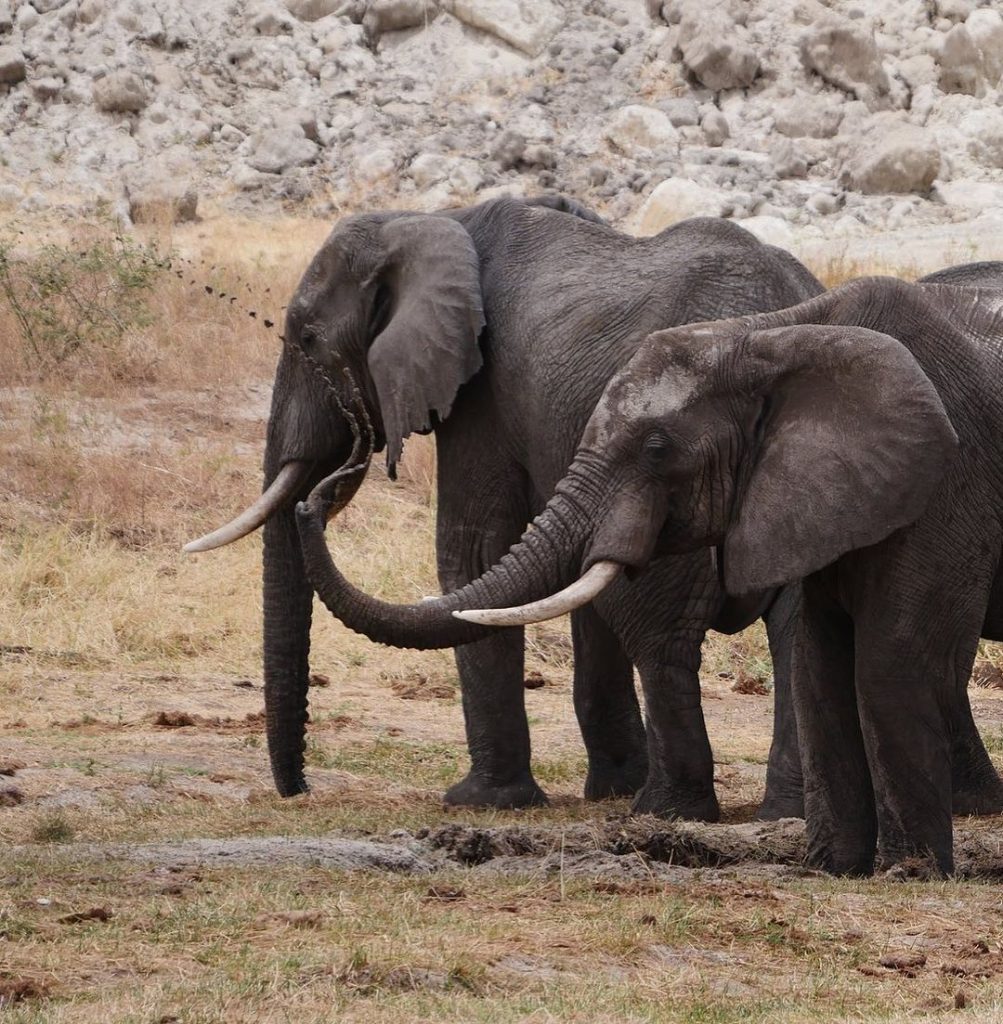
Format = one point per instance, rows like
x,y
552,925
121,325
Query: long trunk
x,y
288,604
546,559
287,601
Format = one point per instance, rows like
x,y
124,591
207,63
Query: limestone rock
x,y
677,199
638,127
173,201
276,150
770,230
985,27
716,49
120,92
715,128
984,130
960,63
893,158
528,25
11,64
6,18
788,161
314,10
393,15
807,116
846,55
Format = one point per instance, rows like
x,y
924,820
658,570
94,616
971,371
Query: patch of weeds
x,y
156,777
993,739
52,827
79,298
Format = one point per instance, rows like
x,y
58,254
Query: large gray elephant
x,y
849,442
497,327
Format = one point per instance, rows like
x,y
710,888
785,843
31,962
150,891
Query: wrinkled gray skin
x,y
564,302
984,274
851,443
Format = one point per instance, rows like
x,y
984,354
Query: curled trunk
x,y
546,559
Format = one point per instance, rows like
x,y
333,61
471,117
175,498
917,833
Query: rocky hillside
x,y
792,115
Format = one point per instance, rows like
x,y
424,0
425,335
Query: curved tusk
x,y
583,590
286,483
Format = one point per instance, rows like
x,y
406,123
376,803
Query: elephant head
x,y
781,441
394,300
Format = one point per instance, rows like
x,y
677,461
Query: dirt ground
x,y
150,874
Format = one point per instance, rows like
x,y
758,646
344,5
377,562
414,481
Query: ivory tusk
x,y
288,480
583,590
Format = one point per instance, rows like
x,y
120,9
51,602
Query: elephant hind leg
x,y
607,708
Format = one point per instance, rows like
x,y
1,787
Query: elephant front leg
x,y
784,796
840,818
494,712
607,709
680,780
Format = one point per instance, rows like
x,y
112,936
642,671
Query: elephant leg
x,y
607,709
975,783
680,781
661,618
840,817
784,796
482,511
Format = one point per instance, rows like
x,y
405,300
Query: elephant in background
x,y
849,442
984,274
498,327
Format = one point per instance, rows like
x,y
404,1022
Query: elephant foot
x,y
773,808
475,791
606,780
985,799
781,801
665,803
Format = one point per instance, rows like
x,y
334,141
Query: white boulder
x,y
716,49
276,150
893,157
845,54
636,127
528,25
120,92
674,200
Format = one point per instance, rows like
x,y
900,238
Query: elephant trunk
x,y
287,605
546,559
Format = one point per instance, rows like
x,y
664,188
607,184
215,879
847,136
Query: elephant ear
x,y
428,348
852,442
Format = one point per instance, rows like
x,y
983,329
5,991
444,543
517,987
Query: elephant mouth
x,y
585,589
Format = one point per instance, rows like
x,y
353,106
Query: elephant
x,y
497,327
984,274
845,446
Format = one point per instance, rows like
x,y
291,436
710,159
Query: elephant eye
x,y
656,450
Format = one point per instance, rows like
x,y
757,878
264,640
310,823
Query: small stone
x,y
120,92
787,160
508,149
715,128
637,127
314,10
375,164
428,169
823,203
394,15
11,65
985,27
596,175
681,111
540,157
807,116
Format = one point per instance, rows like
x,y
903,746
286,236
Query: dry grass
x,y
130,711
